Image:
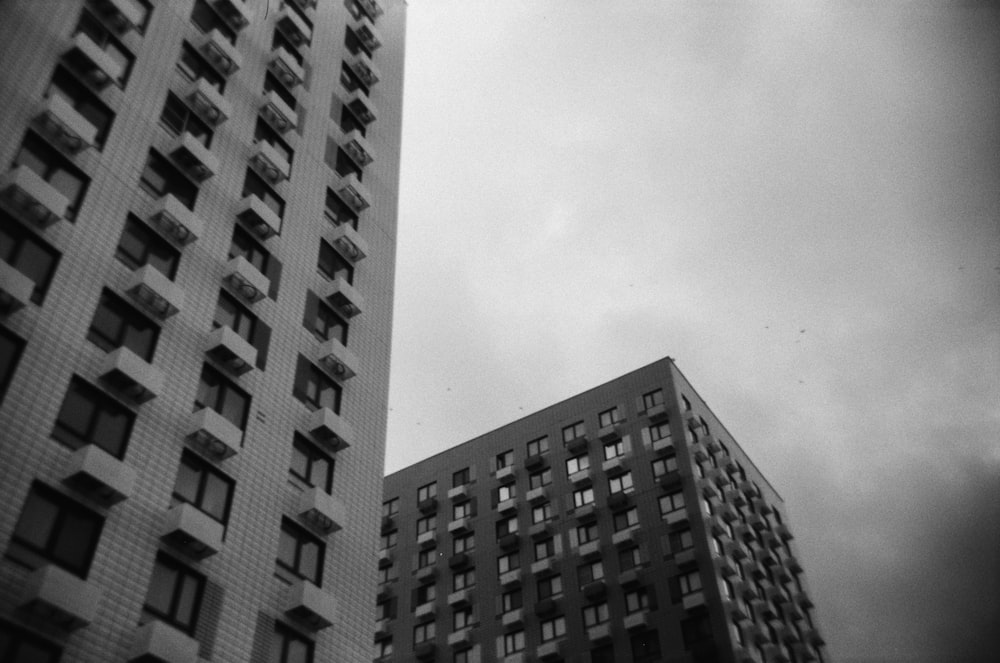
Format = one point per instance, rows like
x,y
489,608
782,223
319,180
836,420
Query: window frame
x,y
205,473
574,431
299,537
60,508
101,405
21,247
54,167
222,390
179,585
122,325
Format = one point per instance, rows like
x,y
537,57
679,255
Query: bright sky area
x,y
799,202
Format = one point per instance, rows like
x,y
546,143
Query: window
x,y
636,600
540,514
671,502
686,402
17,646
389,539
539,446
696,630
645,646
659,432
345,166
553,628
621,483
427,524
629,558
587,533
539,479
272,84
511,600
315,388
614,449
193,67
139,246
91,26
603,654
89,416
28,254
117,324
427,492
174,594
323,321
505,493
507,526
574,431
577,464
727,588
461,510
55,528
549,587
608,418
69,88
387,573
626,519
349,122
425,594
423,632
390,507
464,656
664,465
464,580
215,391
265,133
229,312
200,484
337,212
160,177
583,497
426,557
690,582
245,245
507,563
177,118
652,399
596,614
255,185
505,459
300,552
55,169
206,20
588,573
331,264
280,40
462,618
302,16
11,347
513,642
291,647
460,478
386,609
545,548
463,544
350,80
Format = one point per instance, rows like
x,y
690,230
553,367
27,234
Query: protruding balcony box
x,y
677,516
792,564
192,157
246,279
613,465
176,220
66,126
270,163
585,512
425,574
324,512
610,432
364,69
757,522
155,292
385,557
60,598
792,611
512,618
804,652
763,508
234,12
132,375
536,495
383,628
540,530
343,297
684,557
213,434
735,609
15,289
550,651
625,536
95,472
122,15
637,620
595,589
460,526
297,31
669,479
509,541
542,566
727,512
426,539
99,68
460,598
460,638
510,578
508,505
286,67
160,642
220,53
577,444
193,531
734,496
427,505
371,8
257,216
745,655
599,633
310,606
735,549
33,198
338,360
580,478
749,489
663,443
707,488
424,610
458,493
589,549
711,443
698,451
458,560
353,192
366,33
208,102
746,589
744,532
657,413
231,350
425,651
348,242
781,529
506,474
362,107
726,566
277,113
619,498
329,427
693,600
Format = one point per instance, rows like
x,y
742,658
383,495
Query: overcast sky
x,y
799,202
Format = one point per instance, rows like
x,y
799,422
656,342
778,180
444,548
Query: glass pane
x,y
35,262
309,561
215,498
74,417
300,463
161,589
68,184
187,601
320,473
111,431
74,542
188,482
132,246
234,408
36,522
286,549
298,652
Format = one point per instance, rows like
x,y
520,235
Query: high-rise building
x,y
197,242
622,524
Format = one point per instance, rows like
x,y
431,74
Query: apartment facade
x,y
197,243
622,524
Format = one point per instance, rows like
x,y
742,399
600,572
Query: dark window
x,y
206,20
312,465
681,540
55,528
55,169
338,212
353,44
539,446
323,321
505,459
574,431
28,254
636,600
266,133
19,646
506,526
177,118
696,630
315,388
345,165
587,533
390,507
686,402
590,572
272,84
11,347
230,313
245,245
423,632
91,26
545,548
603,654
664,465
203,486
595,614
215,391
255,184
350,80
629,558
349,122
291,647
160,177
652,399
645,647
300,552
549,587
511,600
331,264
279,40
539,479
626,519
175,593
117,324
89,416
140,245
68,86
427,492
193,66
460,478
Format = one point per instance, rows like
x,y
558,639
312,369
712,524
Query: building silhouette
x,y
197,243
622,524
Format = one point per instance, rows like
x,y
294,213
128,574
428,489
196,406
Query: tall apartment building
x,y
622,524
197,242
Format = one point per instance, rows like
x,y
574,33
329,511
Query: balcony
x,y
258,217
15,289
65,126
424,610
734,496
297,31
506,474
698,451
329,427
338,360
613,466
595,589
122,15
763,508
550,651
726,567
323,512
676,516
272,166
458,493
460,526
506,506
246,280
131,375
196,160
426,539
192,531
234,12
364,69
460,638
220,53
589,549
512,618
458,560
277,113
707,489
636,621
425,651
693,600
383,628
540,530
510,578
666,442
585,512
60,598
97,67
542,566
371,8
160,642
425,574
310,606
619,498
757,522
362,107
625,536
32,198
749,489
509,541
536,496
782,530
580,478
366,33
427,505
610,433
343,297
212,434
286,68
175,220
791,563
230,349
657,413
577,444
353,192
669,479
599,633
348,242
155,292
207,102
